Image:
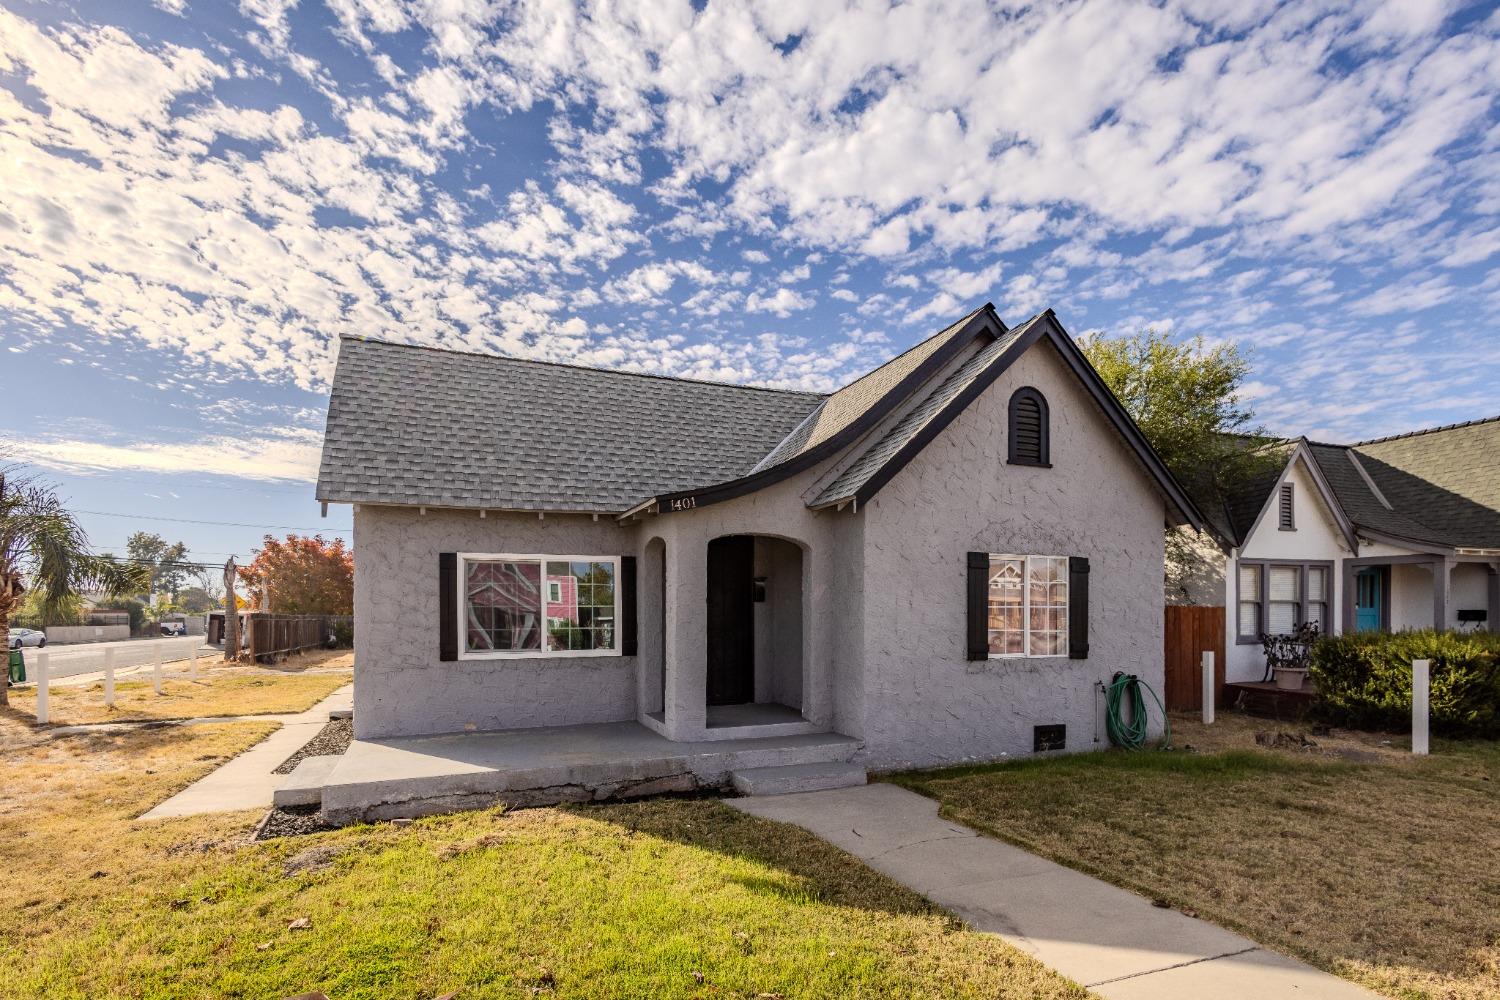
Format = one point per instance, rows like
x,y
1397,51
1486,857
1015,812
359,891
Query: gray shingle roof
x,y
415,425
1440,486
846,405
1443,484
884,448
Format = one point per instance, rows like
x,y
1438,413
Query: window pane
x,y
1316,581
1282,619
1005,604
1284,582
1049,606
1249,618
1315,613
503,605
583,616
1250,582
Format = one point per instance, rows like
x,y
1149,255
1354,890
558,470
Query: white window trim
x,y
1026,653
464,653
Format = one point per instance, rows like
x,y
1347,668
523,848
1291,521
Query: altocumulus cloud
x,y
665,174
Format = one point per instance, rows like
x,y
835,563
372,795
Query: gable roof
x,y
1434,488
422,426
418,425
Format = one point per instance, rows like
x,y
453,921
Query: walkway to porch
x,y
421,775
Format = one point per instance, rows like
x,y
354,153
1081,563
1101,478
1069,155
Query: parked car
x,y
173,628
27,637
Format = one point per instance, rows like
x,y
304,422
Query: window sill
x,y
1034,465
1028,656
542,654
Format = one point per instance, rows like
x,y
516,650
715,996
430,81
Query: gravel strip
x,y
332,740
292,821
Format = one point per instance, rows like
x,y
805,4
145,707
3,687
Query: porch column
x,y
685,637
1442,577
1493,624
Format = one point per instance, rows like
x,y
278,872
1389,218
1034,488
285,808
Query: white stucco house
x,y
1396,533
936,563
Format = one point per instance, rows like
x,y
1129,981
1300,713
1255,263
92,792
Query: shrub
x,y
1364,680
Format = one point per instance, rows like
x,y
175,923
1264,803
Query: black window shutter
x,y
447,605
628,639
1078,607
979,606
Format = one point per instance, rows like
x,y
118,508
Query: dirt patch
x,y
312,860
332,740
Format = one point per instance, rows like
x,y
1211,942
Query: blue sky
x,y
197,199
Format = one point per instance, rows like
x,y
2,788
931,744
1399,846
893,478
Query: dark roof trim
x,y
1330,500
986,320
1426,430
1045,326
1415,544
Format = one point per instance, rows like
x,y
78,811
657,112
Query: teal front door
x,y
1369,596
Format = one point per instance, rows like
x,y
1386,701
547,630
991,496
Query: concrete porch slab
x,y
422,775
304,786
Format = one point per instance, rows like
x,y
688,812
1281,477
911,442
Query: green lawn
x,y
1350,854
684,898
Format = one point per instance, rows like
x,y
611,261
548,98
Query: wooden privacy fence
x,y
1189,632
278,635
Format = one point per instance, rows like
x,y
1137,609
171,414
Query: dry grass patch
x,y
671,899
1350,854
293,686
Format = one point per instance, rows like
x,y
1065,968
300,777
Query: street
x,y
84,658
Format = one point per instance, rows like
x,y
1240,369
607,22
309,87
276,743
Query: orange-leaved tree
x,y
302,575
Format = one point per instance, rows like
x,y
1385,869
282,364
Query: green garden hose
x,y
1132,734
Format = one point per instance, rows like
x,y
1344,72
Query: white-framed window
x,y
1028,605
535,604
1278,597
1249,600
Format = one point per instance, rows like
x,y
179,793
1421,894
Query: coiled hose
x,y
1131,735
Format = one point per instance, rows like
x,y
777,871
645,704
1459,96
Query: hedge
x,y
1364,680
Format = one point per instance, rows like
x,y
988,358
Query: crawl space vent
x,y
1049,737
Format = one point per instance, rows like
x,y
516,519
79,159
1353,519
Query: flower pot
x,y
1290,678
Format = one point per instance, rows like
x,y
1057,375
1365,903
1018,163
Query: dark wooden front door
x,y
731,632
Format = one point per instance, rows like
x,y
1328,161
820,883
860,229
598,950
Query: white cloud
x,y
783,303
289,456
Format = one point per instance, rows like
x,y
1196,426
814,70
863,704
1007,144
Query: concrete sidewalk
x,y
1110,940
247,781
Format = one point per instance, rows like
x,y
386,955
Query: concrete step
x,y
304,786
796,778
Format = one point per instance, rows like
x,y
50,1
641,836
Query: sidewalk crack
x,y
1179,965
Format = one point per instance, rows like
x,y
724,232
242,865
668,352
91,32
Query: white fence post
x,y
1208,687
42,663
1421,678
156,665
109,677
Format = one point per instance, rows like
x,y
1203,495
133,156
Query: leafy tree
x,y
1186,397
43,549
302,576
195,600
165,560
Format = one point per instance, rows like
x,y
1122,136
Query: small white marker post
x,y
43,659
156,665
1421,678
109,678
1208,687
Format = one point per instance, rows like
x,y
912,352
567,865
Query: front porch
x,y
424,775
1421,590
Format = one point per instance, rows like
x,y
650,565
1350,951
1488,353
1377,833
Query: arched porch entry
x,y
754,631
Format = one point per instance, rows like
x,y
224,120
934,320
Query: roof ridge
x,y
583,368
897,357
1426,430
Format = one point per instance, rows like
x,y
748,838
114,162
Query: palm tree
x,y
43,543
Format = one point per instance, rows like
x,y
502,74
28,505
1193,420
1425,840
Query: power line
x,y
219,524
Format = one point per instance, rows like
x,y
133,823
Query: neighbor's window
x,y
1317,597
1284,609
1249,618
539,605
1028,605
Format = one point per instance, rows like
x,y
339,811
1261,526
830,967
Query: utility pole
x,y
231,613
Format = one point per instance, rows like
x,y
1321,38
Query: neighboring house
x,y
935,560
1397,533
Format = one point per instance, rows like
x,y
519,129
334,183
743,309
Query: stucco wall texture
x,y
925,702
881,602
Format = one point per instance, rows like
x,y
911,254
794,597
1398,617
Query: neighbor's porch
x,y
1393,593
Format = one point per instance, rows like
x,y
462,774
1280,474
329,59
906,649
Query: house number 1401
x,y
685,503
